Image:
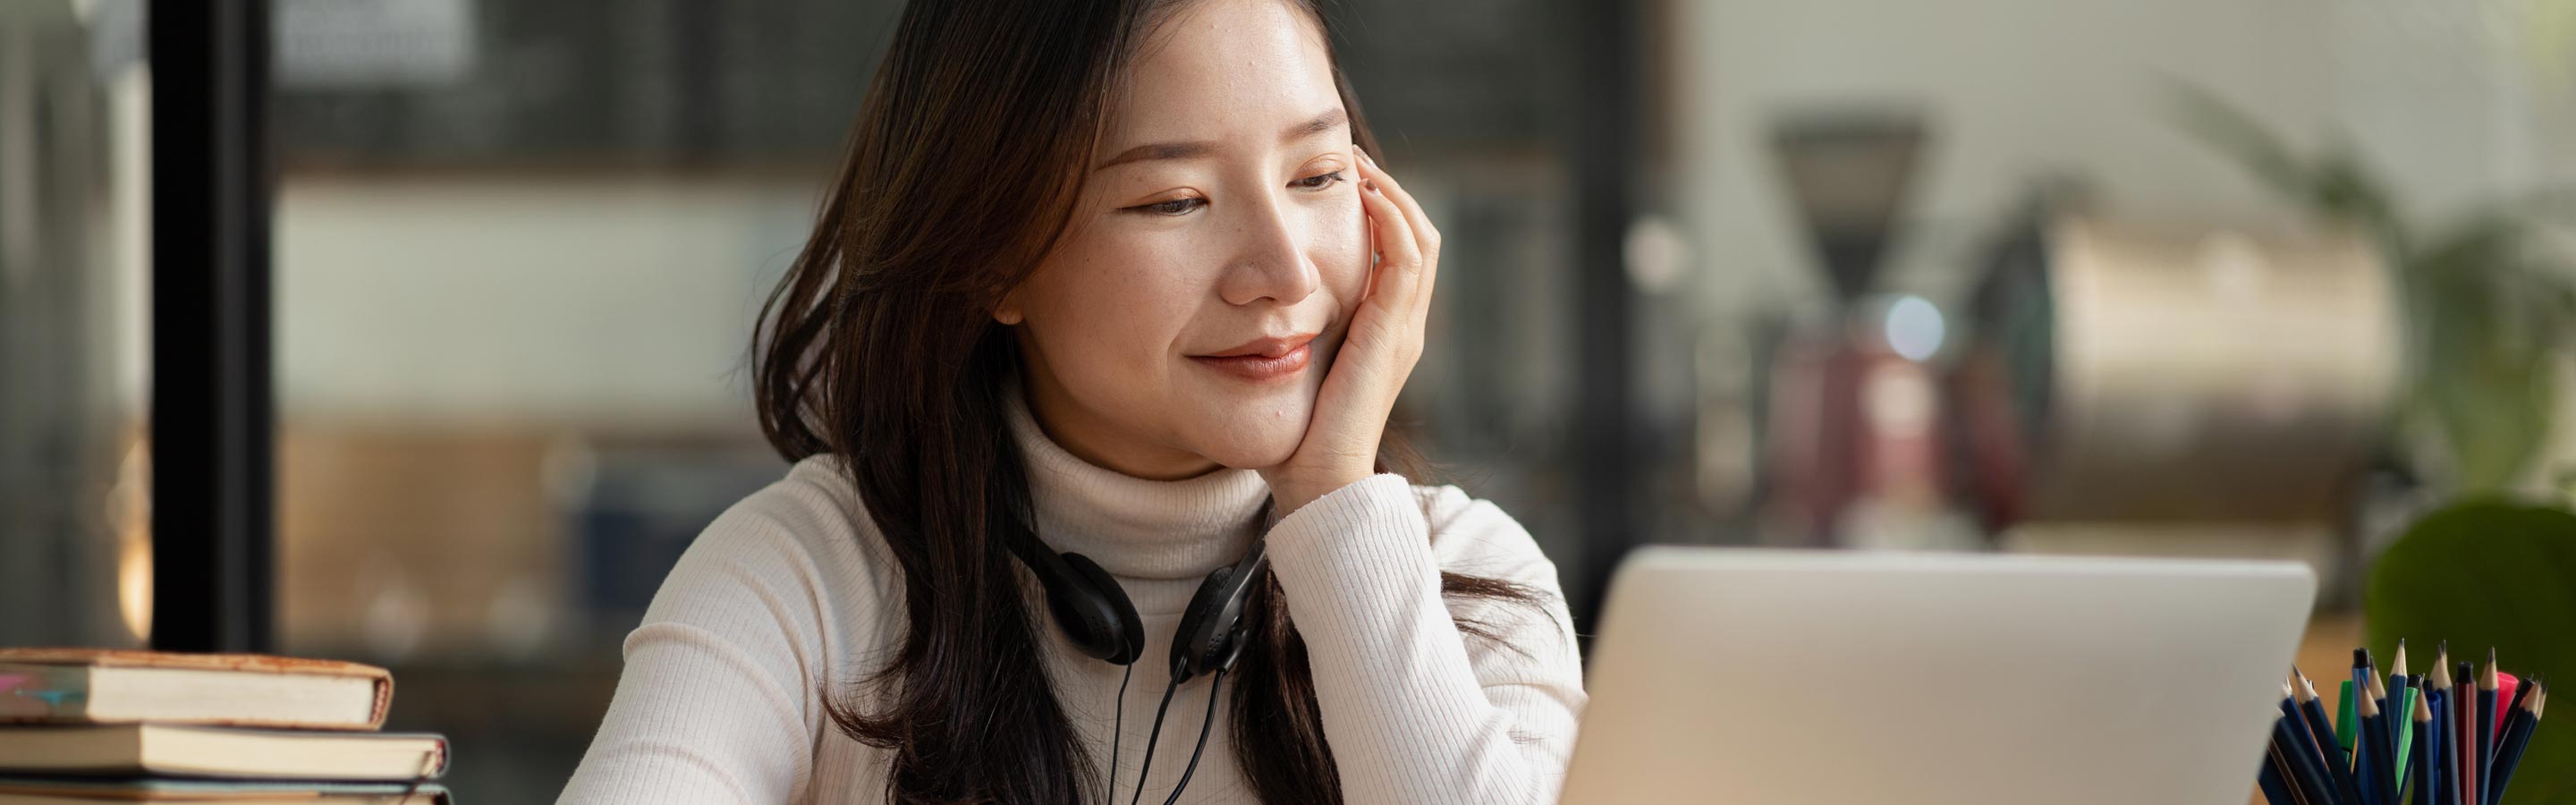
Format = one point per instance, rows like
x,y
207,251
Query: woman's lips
x,y
1260,368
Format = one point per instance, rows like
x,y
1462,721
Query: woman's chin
x,y
1256,445
1253,430
1258,457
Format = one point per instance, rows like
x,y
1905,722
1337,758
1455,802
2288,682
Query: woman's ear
x,y
1008,310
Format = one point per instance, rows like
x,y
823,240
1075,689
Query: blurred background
x,y
2178,278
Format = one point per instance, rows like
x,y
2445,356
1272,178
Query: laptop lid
x,y
1729,675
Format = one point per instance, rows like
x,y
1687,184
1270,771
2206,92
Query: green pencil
x,y
2405,730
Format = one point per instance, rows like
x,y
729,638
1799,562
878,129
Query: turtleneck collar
x,y
1138,530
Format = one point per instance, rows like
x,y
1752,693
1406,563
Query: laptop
x,y
1845,678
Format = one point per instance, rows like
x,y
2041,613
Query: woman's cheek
x,y
1341,250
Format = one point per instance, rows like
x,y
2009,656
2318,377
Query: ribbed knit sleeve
x,y
1416,711
718,702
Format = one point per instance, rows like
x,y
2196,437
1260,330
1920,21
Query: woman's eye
x,y
1174,207
1318,181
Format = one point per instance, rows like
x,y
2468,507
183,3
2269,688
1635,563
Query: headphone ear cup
x,y
1222,657
1192,643
1117,634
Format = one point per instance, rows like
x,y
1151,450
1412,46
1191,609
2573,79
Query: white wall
x,y
2444,93
588,297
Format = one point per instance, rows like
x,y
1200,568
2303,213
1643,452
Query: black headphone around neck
x,y
1095,615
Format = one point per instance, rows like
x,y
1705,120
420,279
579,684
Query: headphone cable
x,y
1150,739
1117,729
1214,686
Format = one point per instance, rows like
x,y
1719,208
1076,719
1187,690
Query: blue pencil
x,y
2421,754
2436,780
2338,766
2276,788
2373,767
2290,733
2324,727
2484,726
2517,737
2438,685
2364,759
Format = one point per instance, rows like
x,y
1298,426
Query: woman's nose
x,y
1270,260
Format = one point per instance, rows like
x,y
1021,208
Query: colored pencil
x,y
2509,694
2509,755
2307,775
2453,735
2401,724
2362,758
2437,696
2323,727
2381,769
2420,756
2338,766
2465,701
2393,768
2275,784
2506,686
2445,759
2484,726
2315,774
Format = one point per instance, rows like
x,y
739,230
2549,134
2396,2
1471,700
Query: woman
x,y
1118,279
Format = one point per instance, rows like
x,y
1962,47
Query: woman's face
x,y
1219,218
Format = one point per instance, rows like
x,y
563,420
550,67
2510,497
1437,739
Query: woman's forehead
x,y
1222,69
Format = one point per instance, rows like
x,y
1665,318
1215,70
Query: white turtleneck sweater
x,y
792,588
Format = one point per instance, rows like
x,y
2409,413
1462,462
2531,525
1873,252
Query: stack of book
x,y
90,726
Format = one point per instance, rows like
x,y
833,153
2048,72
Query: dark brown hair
x,y
879,346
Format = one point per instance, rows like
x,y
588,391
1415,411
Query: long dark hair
x,y
880,347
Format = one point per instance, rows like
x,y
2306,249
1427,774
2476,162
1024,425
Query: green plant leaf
x,y
2230,130
2485,327
2486,303
2490,573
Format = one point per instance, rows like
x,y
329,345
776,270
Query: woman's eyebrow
x,y
1329,120
1154,151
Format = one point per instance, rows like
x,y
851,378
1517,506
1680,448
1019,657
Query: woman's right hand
x,y
1376,355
